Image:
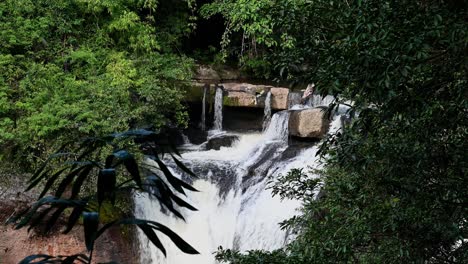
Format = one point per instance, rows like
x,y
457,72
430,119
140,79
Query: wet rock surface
x,y
218,141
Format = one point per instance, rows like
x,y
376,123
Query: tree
x,y
87,68
66,173
395,179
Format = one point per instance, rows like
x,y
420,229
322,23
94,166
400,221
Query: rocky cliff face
x,y
237,92
242,94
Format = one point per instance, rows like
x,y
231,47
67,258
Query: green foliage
x,y
118,174
77,68
395,181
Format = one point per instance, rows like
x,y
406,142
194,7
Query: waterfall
x,y
278,127
294,98
218,107
267,111
203,113
317,100
314,100
235,209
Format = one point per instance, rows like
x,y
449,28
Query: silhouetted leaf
x,y
164,194
169,176
91,223
79,257
178,241
53,201
183,167
51,181
151,235
67,181
39,218
130,164
79,181
183,203
106,185
37,257
109,161
134,133
37,180
54,217
73,219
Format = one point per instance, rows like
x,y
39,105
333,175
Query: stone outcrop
x,y
218,141
237,93
279,98
241,94
245,87
308,123
240,99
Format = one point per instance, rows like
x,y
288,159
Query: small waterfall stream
x,y
203,113
236,210
267,111
218,108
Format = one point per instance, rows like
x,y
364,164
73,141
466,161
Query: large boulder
x,y
279,98
240,99
244,87
308,123
253,95
218,141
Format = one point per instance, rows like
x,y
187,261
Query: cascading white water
x,y
317,100
203,114
294,98
278,128
267,111
218,110
236,210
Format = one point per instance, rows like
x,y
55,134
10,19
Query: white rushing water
x,y
218,110
235,209
203,113
267,111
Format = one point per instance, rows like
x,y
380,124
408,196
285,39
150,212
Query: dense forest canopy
x,y
76,68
